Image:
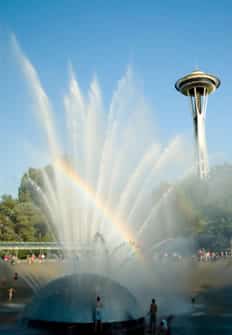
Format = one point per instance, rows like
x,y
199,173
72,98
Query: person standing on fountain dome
x,y
153,316
98,314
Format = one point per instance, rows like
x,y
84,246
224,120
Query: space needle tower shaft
x,y
197,86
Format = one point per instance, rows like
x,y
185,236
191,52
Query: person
x,y
16,276
32,258
40,258
11,293
29,259
163,328
153,316
13,260
98,314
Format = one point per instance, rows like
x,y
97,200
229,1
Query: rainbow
x,y
66,168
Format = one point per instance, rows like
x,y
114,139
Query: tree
x,y
7,232
30,181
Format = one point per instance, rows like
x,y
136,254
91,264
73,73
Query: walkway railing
x,y
43,246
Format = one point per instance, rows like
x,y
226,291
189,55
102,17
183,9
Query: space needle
x,y
197,86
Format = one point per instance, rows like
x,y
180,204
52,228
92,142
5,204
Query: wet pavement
x,y
203,319
211,314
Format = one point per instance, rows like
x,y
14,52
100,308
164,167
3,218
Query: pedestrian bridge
x,y
43,246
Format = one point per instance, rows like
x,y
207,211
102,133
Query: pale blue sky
x,y
162,40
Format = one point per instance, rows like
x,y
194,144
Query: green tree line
x,y
23,218
201,209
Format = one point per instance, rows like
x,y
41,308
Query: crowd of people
x,y
204,255
12,259
30,258
33,258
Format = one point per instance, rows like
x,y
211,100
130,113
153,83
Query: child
x,y
11,292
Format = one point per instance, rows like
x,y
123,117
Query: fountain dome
x,y
71,300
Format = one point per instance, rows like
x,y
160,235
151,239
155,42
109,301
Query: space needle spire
x,y
197,86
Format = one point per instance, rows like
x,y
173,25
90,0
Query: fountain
x,y
99,198
69,302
